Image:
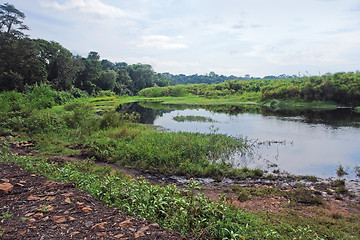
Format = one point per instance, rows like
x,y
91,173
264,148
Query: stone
x,y
86,209
126,224
33,198
74,233
58,219
50,198
99,226
31,220
6,188
139,234
38,215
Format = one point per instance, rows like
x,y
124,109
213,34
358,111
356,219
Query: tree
x,y
9,17
94,56
107,80
142,76
59,62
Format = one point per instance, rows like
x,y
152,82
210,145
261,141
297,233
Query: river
x,y
301,142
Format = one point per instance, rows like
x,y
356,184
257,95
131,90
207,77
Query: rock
x,y
29,214
99,226
68,194
154,225
74,233
139,234
126,224
100,234
144,229
86,209
58,219
50,198
71,219
31,220
5,180
88,223
119,236
6,188
33,198
38,215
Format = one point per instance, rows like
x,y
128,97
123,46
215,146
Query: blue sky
x,y
256,37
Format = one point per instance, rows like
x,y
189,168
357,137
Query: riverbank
x,y
284,207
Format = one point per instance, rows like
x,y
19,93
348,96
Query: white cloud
x,y
88,6
161,42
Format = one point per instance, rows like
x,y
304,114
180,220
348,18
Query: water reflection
x,y
309,142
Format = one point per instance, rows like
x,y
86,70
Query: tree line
x,y
342,88
212,78
25,62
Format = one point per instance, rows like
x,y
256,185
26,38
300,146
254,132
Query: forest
x,y
341,88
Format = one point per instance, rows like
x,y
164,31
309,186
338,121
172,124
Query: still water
x,y
299,142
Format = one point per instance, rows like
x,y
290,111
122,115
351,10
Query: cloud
x,y
89,7
161,42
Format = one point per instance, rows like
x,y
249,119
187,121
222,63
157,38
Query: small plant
x,y
243,196
6,215
45,208
305,196
25,219
341,171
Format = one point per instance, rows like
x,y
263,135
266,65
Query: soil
x,y
34,207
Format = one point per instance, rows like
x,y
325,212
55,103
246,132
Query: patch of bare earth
x,y
34,207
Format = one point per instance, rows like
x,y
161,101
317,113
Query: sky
x,y
229,37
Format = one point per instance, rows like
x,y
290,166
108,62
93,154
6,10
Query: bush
x,y
11,101
40,97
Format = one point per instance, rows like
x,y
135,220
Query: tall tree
x,y
11,17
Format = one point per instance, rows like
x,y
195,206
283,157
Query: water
x,y
306,142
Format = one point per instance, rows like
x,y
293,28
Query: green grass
x,y
179,209
188,212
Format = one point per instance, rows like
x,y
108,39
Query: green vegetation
x,y
184,210
339,88
192,119
45,98
113,137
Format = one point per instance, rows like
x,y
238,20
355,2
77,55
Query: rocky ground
x,y
34,207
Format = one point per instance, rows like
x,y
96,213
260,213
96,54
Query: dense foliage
x,y
212,78
342,88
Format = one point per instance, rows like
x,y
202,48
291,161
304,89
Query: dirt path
x,y
33,207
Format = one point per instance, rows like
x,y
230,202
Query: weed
x,y
243,196
305,196
341,171
6,215
338,183
337,216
